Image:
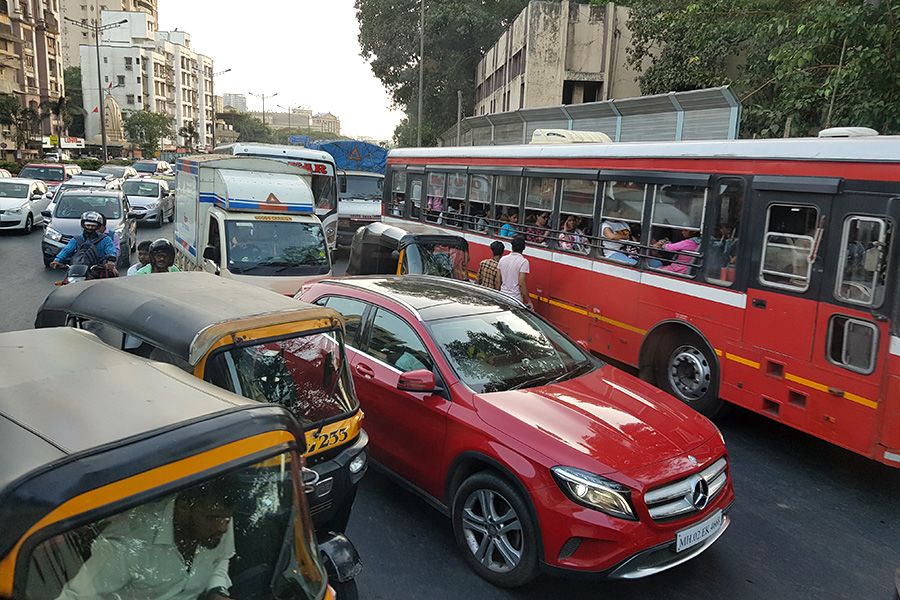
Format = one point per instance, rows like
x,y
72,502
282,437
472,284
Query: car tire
x,y
687,369
47,262
172,215
346,590
159,219
29,224
483,507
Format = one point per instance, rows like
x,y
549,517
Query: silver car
x,y
21,203
65,221
151,200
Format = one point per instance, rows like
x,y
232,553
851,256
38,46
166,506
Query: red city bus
x,y
759,272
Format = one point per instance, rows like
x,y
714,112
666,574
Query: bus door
x,y
415,181
853,334
789,219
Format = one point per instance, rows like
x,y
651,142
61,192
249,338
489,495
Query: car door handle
x,y
759,303
365,371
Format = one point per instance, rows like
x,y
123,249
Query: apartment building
x,y
30,66
144,69
235,101
298,118
557,53
327,123
86,11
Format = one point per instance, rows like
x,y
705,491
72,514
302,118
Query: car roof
x,y
27,180
93,190
182,313
58,381
54,165
428,297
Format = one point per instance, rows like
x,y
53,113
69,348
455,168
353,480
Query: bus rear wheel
x,y
687,369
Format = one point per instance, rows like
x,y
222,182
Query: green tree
x,y
248,127
22,119
146,130
456,34
72,80
799,65
59,110
190,135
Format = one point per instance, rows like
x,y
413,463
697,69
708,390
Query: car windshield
x,y
113,170
43,173
306,374
136,187
13,190
507,350
276,247
72,206
250,526
358,187
145,167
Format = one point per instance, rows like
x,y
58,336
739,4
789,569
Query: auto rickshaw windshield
x,y
247,531
445,259
307,374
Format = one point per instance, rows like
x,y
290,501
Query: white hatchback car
x,y
21,203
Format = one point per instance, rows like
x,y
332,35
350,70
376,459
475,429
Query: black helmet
x,y
94,217
162,246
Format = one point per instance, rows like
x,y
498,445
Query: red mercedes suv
x,y
541,454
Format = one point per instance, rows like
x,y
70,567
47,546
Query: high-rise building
x,y
154,70
86,11
30,67
236,101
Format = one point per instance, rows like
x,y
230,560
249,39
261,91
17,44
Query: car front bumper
x,y
146,215
335,490
9,221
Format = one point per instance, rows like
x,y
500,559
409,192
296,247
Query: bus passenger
x,y
683,262
616,230
570,238
509,228
537,232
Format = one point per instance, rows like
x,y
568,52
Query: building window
x,y
120,79
129,98
106,78
139,79
105,60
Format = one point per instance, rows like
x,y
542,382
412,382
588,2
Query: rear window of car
x,y
44,173
145,167
140,188
72,206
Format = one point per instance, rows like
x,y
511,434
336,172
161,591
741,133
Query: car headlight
x,y
52,234
358,463
152,205
596,492
18,210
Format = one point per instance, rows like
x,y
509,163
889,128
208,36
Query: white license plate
x,y
695,534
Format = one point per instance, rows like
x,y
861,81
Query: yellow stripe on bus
x,y
824,388
740,359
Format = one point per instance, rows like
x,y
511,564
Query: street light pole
x,y
212,89
263,97
288,109
96,28
421,70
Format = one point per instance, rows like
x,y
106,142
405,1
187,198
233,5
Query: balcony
x,y
50,22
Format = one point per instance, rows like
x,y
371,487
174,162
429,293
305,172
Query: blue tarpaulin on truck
x,y
353,155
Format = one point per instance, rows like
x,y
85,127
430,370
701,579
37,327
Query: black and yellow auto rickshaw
x,y
249,341
126,478
408,249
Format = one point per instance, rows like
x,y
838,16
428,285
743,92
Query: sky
x,y
306,51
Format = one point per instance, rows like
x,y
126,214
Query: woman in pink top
x,y
683,262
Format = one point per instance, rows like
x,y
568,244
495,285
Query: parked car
x,y
52,174
151,200
21,203
65,221
149,168
119,171
539,452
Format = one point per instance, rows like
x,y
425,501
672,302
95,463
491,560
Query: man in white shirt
x,y
175,549
616,230
514,271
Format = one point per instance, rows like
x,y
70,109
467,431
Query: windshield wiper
x,y
533,382
575,372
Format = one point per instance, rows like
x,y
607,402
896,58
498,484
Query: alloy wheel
x,y
492,530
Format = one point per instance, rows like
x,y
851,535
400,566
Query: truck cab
x,y
359,202
250,219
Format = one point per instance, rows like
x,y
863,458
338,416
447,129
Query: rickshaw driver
x,y
162,258
177,549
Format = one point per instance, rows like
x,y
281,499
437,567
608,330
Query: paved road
x,y
811,521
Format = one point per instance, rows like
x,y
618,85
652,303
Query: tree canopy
x,y
799,65
146,130
456,34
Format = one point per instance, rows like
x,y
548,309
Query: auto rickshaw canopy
x,y
78,418
185,314
367,251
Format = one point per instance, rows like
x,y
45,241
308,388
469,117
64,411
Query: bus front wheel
x,y
687,368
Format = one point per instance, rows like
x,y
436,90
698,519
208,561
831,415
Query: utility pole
x,y
421,70
263,97
458,117
212,89
96,28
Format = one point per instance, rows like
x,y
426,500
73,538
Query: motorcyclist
x,y
91,237
162,258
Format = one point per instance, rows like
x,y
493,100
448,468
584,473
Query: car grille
x,y
678,498
65,239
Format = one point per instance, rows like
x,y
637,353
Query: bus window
x,y
415,198
398,192
788,246
323,188
577,216
539,193
676,225
863,263
436,196
456,198
721,258
479,205
506,203
620,226
852,343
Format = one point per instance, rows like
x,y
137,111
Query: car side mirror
x,y
420,380
212,253
46,214
48,195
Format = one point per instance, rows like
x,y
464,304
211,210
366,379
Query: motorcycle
x,y
76,273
